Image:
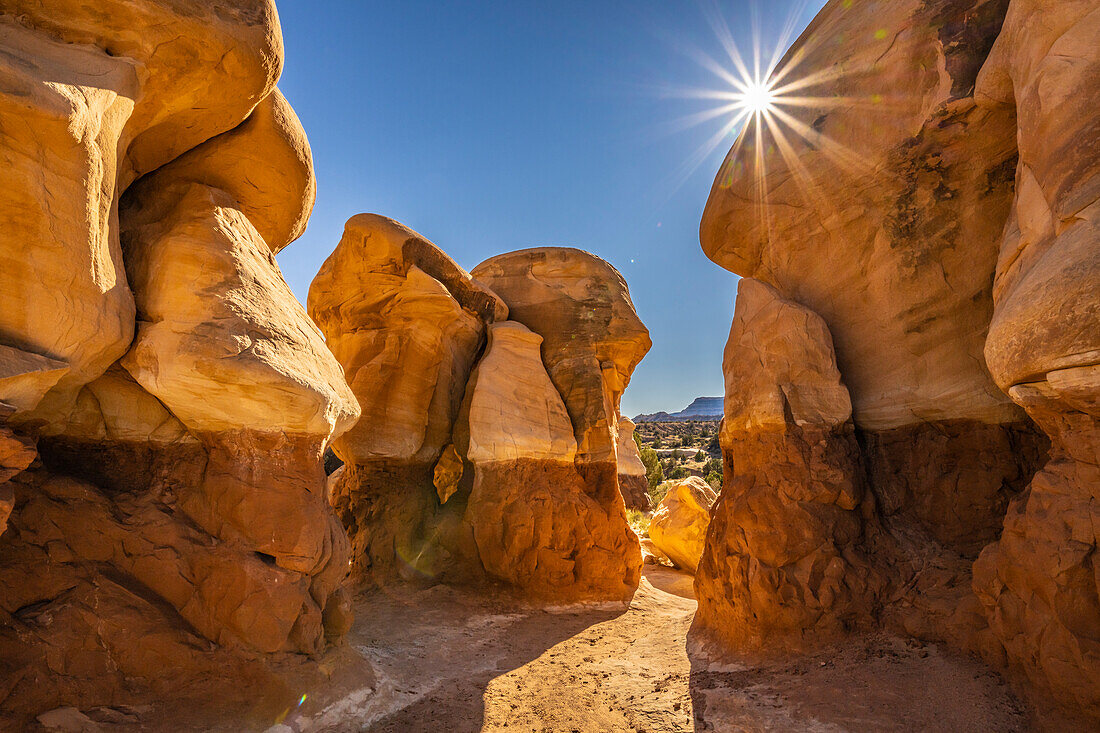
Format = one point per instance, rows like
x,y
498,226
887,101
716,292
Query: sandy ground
x,y
446,660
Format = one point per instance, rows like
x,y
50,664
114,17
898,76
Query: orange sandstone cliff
x,y
910,433
165,401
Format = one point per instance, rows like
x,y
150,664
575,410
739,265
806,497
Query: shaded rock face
x,y
679,524
960,300
467,463
633,483
164,400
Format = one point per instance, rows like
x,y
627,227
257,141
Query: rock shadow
x,y
875,682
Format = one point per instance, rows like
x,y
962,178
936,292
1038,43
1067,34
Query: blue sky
x,y
495,126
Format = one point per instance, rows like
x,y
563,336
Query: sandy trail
x,y
446,660
450,660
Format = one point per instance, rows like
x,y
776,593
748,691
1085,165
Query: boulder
x,y
679,524
881,213
532,520
1038,584
782,567
407,324
388,303
931,196
466,463
633,484
168,488
202,67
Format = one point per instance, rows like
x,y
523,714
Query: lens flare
x,y
761,101
758,97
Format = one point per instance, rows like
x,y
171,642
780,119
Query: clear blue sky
x,y
495,126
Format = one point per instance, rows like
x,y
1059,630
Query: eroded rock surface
x,y
940,223
167,488
592,337
534,524
467,463
633,483
782,568
1038,585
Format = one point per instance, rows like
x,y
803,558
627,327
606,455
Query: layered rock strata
x,y
783,568
922,202
165,402
466,464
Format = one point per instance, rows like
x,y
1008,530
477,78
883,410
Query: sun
x,y
757,98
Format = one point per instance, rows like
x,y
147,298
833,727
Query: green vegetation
x,y
700,456
678,472
639,522
656,493
653,473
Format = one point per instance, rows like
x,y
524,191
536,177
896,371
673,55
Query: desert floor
x,y
440,659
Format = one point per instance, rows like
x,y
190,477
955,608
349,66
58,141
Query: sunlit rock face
x,y
592,337
533,522
467,462
782,567
164,400
679,525
937,221
1039,585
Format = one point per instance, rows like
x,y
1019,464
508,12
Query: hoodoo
x,y
470,461
937,251
164,399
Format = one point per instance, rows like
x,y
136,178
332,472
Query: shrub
x,y
657,492
653,473
715,480
700,456
639,522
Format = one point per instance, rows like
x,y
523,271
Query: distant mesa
x,y
701,408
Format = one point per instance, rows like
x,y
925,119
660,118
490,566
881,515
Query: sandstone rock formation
x,y
389,304
1038,584
592,338
534,524
955,293
466,462
782,567
679,524
632,479
164,401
